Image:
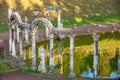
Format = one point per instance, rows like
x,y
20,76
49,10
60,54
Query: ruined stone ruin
x,y
15,23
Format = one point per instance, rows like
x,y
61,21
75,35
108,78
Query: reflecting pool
x,y
109,49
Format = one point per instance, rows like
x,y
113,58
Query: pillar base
x,y
72,74
51,71
42,69
34,67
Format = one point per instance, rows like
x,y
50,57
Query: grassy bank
x,y
79,21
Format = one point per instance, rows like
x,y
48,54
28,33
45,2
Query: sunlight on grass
x,y
36,2
78,19
26,4
77,9
11,3
98,14
54,2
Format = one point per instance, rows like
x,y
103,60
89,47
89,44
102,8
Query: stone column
x,y
26,30
47,29
10,41
10,11
59,23
118,65
13,43
72,74
33,50
51,53
95,62
20,50
41,66
18,31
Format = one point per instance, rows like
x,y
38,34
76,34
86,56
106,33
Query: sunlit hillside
x,y
73,12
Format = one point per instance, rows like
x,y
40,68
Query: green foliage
x,y
2,67
31,70
3,27
49,74
93,19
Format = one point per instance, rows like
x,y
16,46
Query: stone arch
x,y
15,37
15,16
49,34
44,21
14,20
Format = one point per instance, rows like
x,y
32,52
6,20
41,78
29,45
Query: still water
x,y
108,51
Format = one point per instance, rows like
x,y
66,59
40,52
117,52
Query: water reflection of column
x,y
118,65
33,50
51,53
27,59
95,62
59,50
60,55
21,49
72,74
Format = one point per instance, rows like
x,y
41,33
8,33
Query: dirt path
x,y
33,76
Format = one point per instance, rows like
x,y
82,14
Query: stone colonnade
x,y
12,49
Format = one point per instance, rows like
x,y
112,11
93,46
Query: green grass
x,y
30,70
92,19
4,27
4,57
70,21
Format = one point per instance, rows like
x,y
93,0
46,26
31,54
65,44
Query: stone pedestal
x,y
41,66
95,62
72,74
